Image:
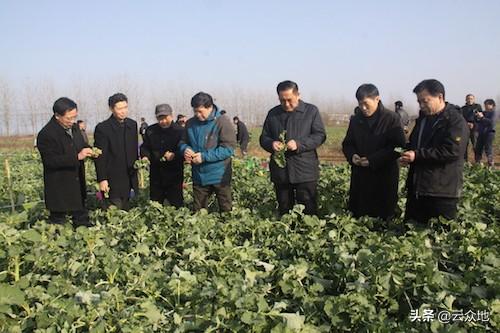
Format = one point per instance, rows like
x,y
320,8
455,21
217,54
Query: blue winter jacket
x,y
215,138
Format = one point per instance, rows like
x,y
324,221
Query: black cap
x,y
163,110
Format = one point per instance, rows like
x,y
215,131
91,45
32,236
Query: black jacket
x,y
486,124
304,125
63,173
157,141
119,145
374,189
242,135
469,113
438,167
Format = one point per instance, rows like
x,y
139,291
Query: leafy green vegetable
x,y
155,268
399,150
142,163
96,152
279,156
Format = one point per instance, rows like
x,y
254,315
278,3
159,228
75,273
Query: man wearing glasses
x,y
63,151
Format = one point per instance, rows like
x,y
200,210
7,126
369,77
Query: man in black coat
x,y
63,152
242,136
142,128
161,148
117,138
469,112
369,144
436,149
302,130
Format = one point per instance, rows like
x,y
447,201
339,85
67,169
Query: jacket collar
x,y
376,115
55,124
442,116
115,124
301,107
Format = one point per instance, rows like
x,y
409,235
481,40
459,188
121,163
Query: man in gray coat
x,y
292,132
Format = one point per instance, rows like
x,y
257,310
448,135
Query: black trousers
x,y
201,194
423,208
244,147
79,218
172,193
288,195
472,140
484,144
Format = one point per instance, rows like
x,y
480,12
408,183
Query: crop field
x,y
157,269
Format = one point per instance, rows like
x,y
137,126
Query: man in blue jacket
x,y
208,146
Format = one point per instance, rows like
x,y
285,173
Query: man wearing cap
x,y
160,147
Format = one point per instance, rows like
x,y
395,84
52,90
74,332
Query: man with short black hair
x,y
63,151
403,116
83,129
117,138
435,156
242,136
208,146
160,147
142,128
469,112
373,134
181,120
300,126
486,132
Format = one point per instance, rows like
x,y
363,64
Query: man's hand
x,y
197,158
169,156
145,158
480,115
364,162
292,145
356,159
104,186
188,155
471,125
85,152
278,145
407,157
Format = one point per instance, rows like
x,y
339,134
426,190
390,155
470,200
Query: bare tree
x,y
6,100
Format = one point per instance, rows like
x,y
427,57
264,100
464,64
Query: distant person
x,y
83,129
181,120
486,132
469,111
142,128
403,116
242,136
161,148
300,126
208,146
117,138
368,146
63,151
435,156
